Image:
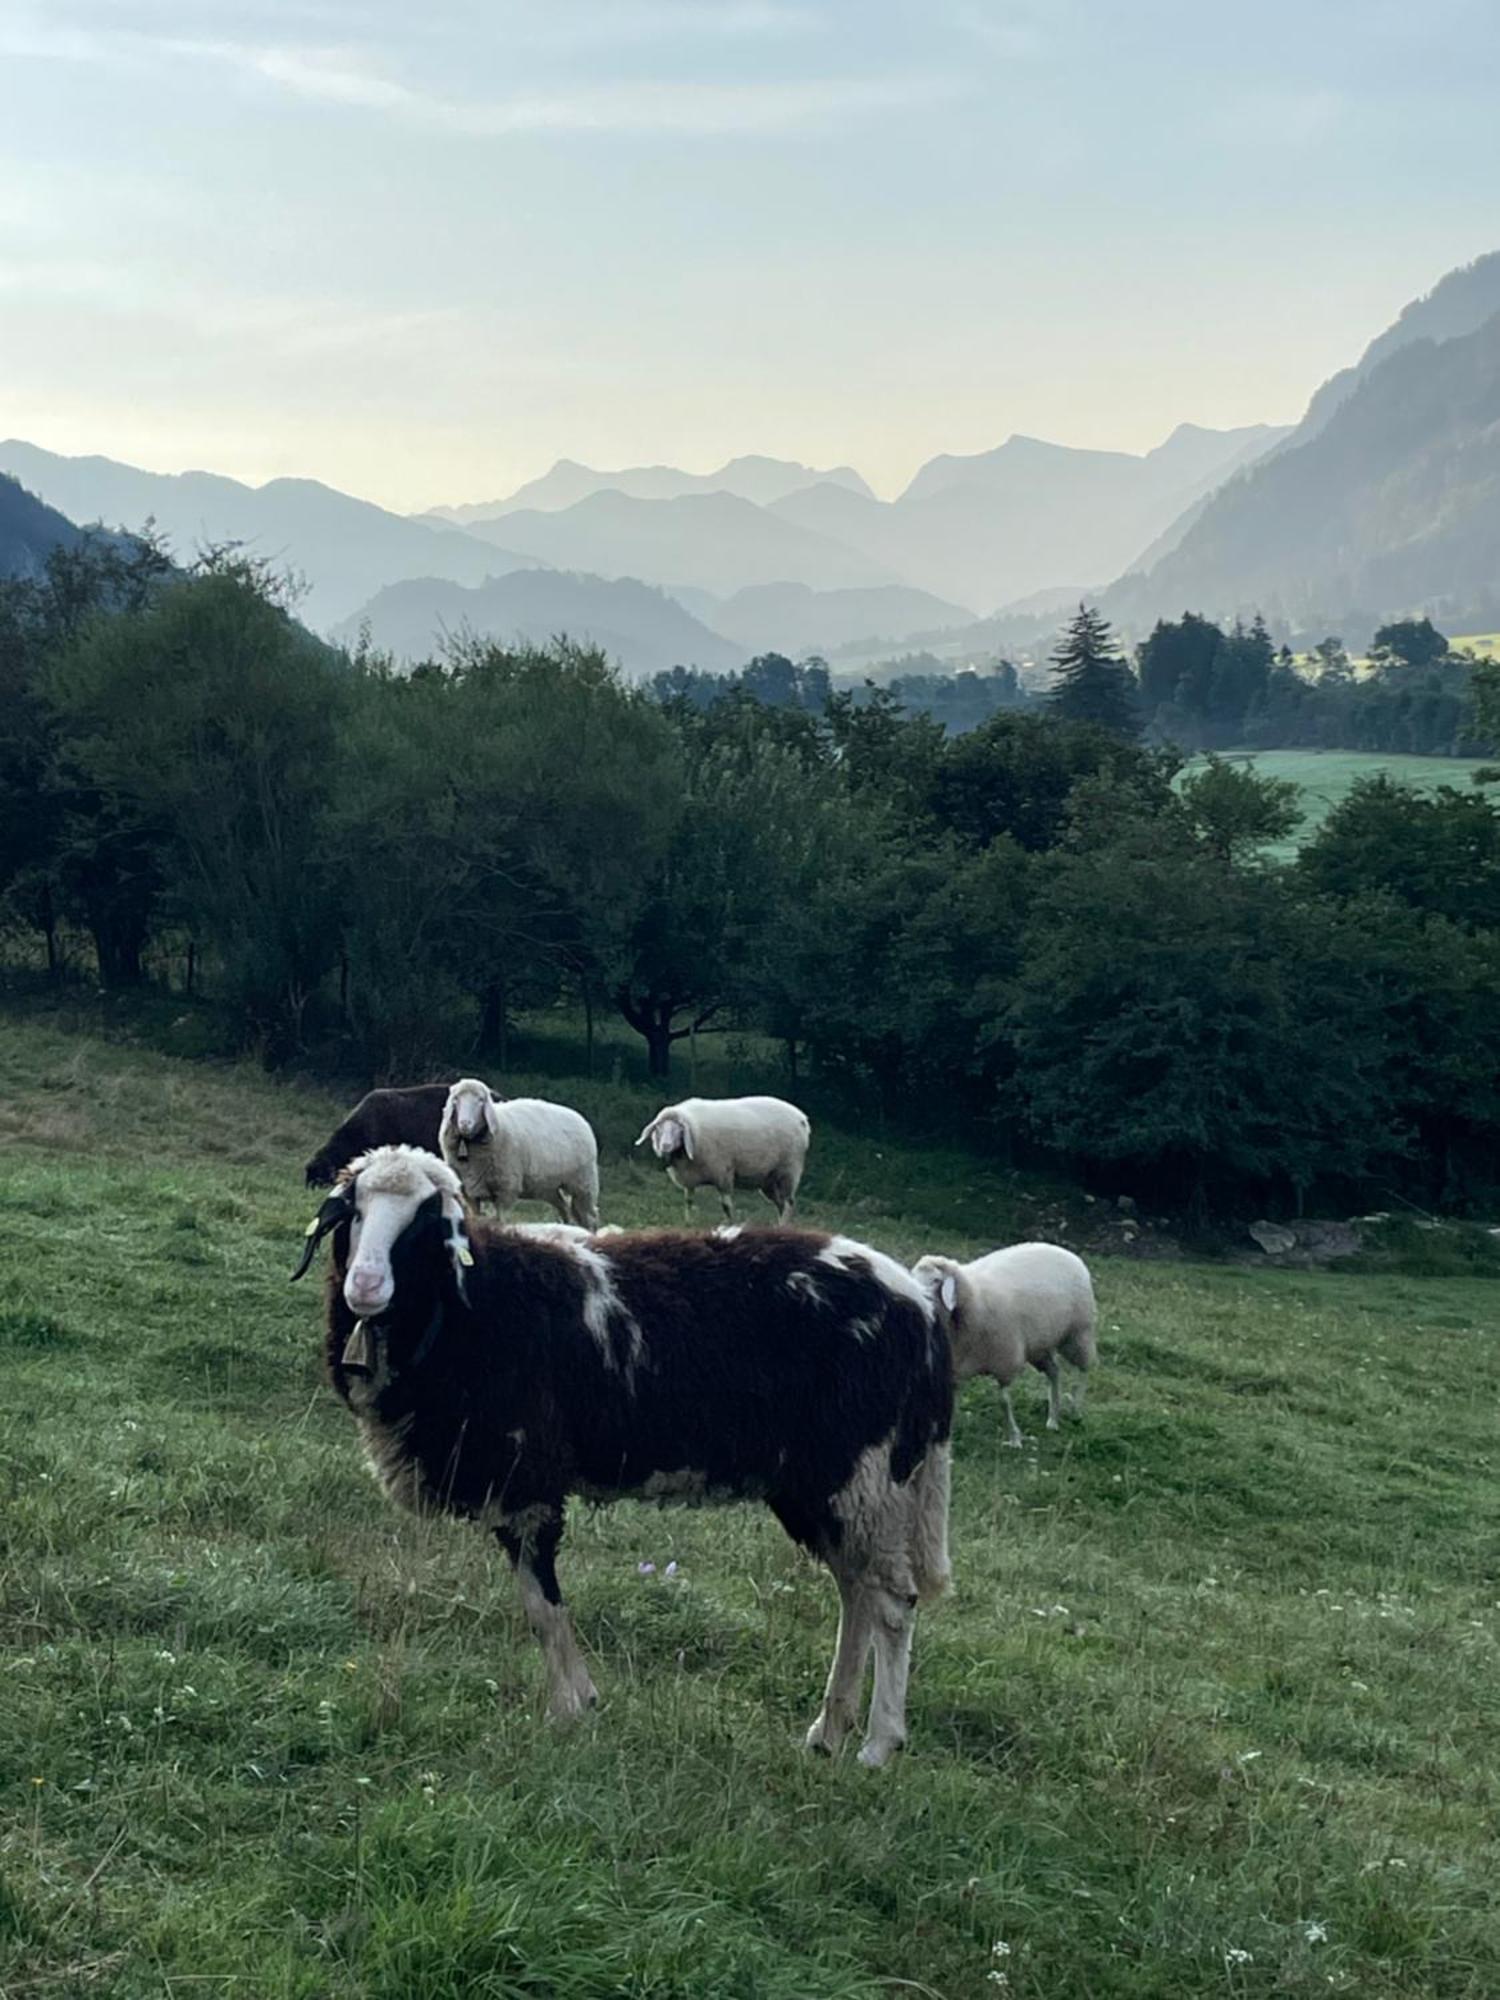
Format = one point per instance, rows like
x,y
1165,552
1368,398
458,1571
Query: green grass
x,y
1484,645
1218,1676
1326,776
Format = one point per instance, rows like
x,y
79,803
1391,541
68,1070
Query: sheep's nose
x,y
366,1291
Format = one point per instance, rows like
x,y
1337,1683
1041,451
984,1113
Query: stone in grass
x,y
1272,1238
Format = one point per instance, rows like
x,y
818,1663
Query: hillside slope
x,y
987,529
640,627
1391,504
345,549
713,541
30,530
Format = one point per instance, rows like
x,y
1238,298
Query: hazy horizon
x,y
422,258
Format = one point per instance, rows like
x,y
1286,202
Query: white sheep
x,y
730,1142
1029,1303
521,1149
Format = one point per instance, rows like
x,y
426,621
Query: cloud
x,y
645,107
344,74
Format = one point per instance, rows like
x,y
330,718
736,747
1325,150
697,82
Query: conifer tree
x,y
1091,683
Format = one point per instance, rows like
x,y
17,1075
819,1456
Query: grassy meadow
x,y
1213,1708
1326,776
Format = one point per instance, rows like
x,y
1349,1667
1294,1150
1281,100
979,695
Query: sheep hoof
x,y
1015,1441
875,1751
824,1739
1053,1424
570,1705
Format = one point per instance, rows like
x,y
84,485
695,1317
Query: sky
x,y
421,251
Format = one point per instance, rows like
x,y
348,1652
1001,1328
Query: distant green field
x,y
1478,642
1327,775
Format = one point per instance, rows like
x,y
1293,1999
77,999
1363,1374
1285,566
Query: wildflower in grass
x,y
670,1570
1315,1932
1237,1955
646,1568
39,1781
999,1949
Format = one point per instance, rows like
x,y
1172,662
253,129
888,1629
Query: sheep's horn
x,y
329,1216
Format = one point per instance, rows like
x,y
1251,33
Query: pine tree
x,y
1091,682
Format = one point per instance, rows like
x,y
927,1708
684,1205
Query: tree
x,y
1091,683
208,719
1330,662
1484,704
1407,642
1437,851
1236,811
1162,1006
1176,663
712,907
66,849
1017,774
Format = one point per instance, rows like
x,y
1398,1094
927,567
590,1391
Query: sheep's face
x,y
468,1111
671,1138
405,1203
402,1210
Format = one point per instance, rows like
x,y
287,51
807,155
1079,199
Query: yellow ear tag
x,y
465,1256
312,1228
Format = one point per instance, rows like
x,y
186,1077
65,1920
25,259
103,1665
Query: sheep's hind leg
x,y
893,1622
1078,1348
840,1710
1048,1366
533,1558
778,1191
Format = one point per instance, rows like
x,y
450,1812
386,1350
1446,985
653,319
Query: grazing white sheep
x,y
521,1149
1029,1303
730,1142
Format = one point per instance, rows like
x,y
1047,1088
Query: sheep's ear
x,y
687,1136
335,1210
492,1115
647,1129
948,1291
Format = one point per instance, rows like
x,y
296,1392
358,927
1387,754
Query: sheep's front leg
x,y
1049,1367
840,1710
726,1201
1013,1435
533,1558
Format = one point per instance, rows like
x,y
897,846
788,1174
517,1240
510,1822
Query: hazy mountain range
x,y
760,480
709,541
643,628
1385,499
346,549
